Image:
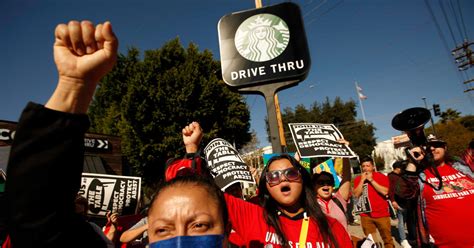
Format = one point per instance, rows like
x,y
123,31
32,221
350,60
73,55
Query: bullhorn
x,y
412,121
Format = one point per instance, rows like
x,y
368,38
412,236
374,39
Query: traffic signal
x,y
436,110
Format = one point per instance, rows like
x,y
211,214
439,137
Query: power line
x,y
324,13
462,21
447,22
456,19
315,8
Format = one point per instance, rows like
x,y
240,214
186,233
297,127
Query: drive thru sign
x,y
262,46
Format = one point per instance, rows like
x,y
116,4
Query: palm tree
x,y
449,115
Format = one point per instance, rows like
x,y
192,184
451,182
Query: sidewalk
x,y
356,231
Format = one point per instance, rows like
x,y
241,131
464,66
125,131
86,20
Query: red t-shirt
x,y
450,211
378,203
248,221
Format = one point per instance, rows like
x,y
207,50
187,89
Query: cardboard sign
x,y
225,164
318,140
119,194
264,45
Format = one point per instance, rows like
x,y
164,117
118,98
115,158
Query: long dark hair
x,y
307,200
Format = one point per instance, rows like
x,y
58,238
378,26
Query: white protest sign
x,y
225,164
318,140
119,194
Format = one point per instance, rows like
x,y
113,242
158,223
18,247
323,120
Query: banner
x,y
363,203
318,140
225,164
328,166
119,194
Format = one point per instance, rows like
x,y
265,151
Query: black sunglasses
x,y
325,183
436,145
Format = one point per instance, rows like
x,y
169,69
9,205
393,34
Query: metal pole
x,y
431,117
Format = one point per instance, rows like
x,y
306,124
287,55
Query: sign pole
x,y
258,4
248,56
269,92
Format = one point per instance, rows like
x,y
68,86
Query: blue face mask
x,y
202,241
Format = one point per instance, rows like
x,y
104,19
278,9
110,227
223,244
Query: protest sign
x,y
363,203
119,194
225,164
318,140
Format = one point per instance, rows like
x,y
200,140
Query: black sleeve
x,y
43,178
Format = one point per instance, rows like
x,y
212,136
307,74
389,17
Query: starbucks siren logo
x,y
262,37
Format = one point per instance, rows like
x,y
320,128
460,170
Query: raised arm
x,y
345,185
192,135
47,155
83,55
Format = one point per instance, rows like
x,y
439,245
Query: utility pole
x,y
464,58
431,116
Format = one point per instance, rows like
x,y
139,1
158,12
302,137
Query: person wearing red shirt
x,y
445,205
289,214
379,218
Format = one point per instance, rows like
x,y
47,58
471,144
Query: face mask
x,y
202,241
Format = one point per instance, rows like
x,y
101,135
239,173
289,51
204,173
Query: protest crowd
x,y
429,194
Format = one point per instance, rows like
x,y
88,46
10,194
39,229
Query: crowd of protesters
x,y
294,208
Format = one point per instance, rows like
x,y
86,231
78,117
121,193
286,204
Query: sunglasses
x,y
436,145
291,174
325,183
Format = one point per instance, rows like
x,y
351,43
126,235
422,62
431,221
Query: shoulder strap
x,y
339,204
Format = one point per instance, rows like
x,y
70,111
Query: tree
x,y
147,102
449,115
456,135
252,145
341,114
468,122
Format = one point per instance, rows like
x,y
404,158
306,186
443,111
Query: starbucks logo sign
x,y
262,37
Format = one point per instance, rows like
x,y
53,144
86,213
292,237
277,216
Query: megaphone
x,y
412,121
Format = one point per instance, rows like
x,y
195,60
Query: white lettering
x,y
6,134
247,73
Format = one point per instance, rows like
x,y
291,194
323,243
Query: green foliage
x,y
468,122
148,102
456,134
449,115
341,114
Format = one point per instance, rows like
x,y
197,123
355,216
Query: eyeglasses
x,y
273,177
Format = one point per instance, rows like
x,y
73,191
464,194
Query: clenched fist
x,y
83,55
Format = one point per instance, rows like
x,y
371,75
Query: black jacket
x,y
43,178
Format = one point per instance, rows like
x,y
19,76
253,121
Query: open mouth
x,y
326,190
285,189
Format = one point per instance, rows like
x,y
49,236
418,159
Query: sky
x,y
392,48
